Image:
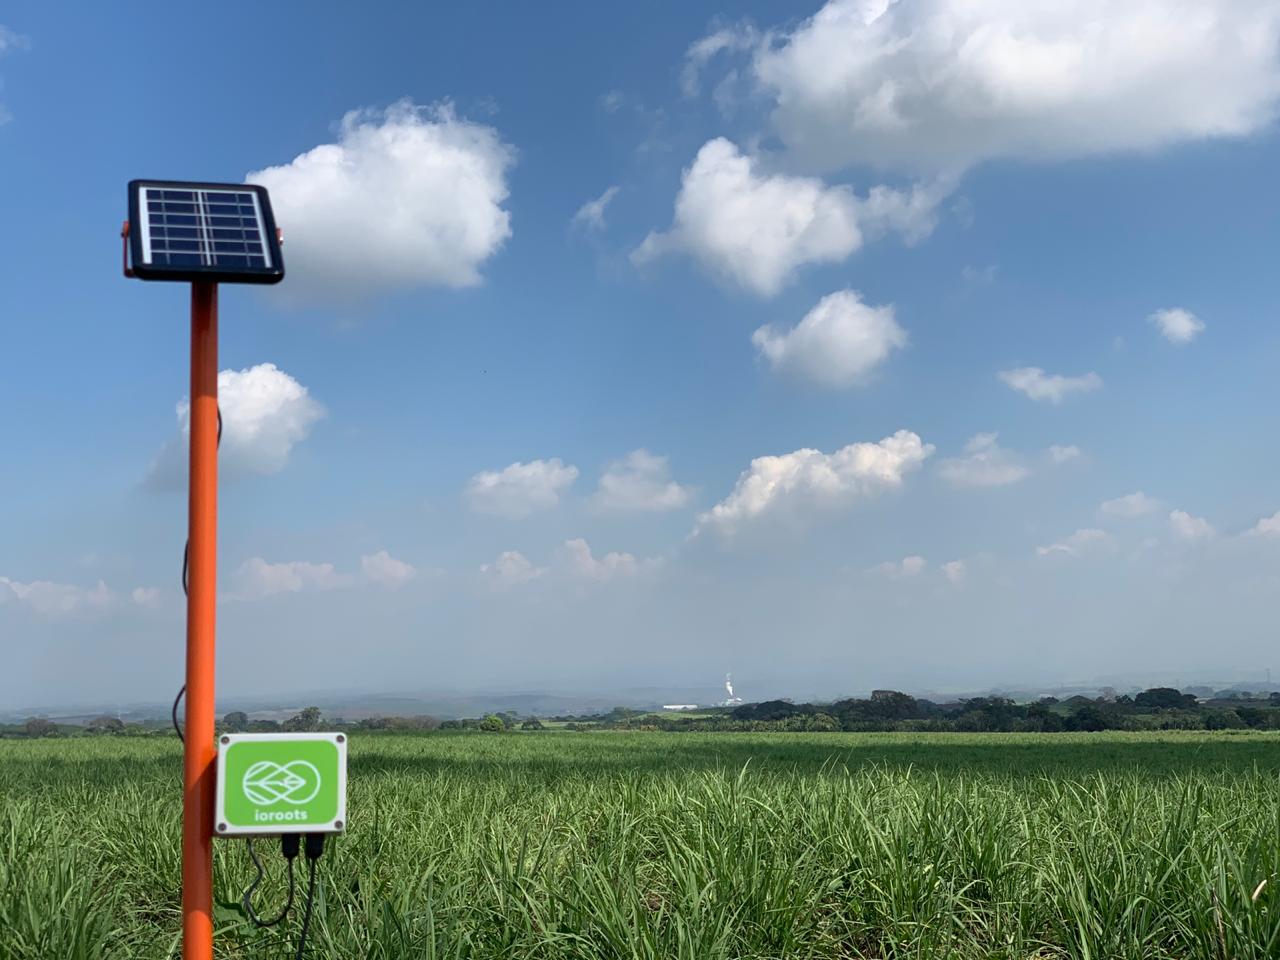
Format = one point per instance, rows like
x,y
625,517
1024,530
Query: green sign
x,y
281,783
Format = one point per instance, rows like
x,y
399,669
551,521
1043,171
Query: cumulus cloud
x,y
265,413
410,196
703,51
979,276
521,488
590,215
941,85
757,229
1267,526
984,464
384,569
573,561
1136,504
9,41
640,481
510,568
57,600
578,559
1076,544
1059,453
1176,325
146,596
1186,527
837,343
905,568
256,578
954,570
1050,387
810,477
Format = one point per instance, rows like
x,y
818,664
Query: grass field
x,y
635,845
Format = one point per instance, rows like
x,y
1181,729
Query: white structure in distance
x,y
731,700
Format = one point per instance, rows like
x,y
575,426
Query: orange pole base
x,y
199,760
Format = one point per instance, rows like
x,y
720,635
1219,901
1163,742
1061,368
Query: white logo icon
x,y
266,783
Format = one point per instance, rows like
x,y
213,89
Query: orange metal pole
x,y
200,754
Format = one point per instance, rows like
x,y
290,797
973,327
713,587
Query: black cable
x,y
186,560
289,847
315,847
174,714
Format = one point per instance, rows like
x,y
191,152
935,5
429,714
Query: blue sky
x,y
489,434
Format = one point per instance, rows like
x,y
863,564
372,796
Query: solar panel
x,y
203,231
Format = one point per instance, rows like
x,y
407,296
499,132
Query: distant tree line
x,y
1157,708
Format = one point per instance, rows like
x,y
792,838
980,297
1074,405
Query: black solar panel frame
x,y
210,272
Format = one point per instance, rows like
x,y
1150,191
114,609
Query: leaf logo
x,y
267,783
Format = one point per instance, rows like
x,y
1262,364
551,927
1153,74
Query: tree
x,y
305,722
1089,719
1043,719
1223,720
533,723
106,724
768,710
821,723
237,721
39,727
892,705
492,724
1164,698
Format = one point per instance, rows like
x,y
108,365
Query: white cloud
x,y
640,481
1053,387
985,464
1077,543
837,344
146,596
810,477
590,215
905,568
9,40
521,488
979,276
701,52
511,567
942,85
1267,526
57,600
256,578
758,229
576,557
410,196
1059,453
1176,325
1187,527
385,569
265,413
1134,504
612,101
954,570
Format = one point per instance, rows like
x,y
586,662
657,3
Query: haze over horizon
x,y
648,343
